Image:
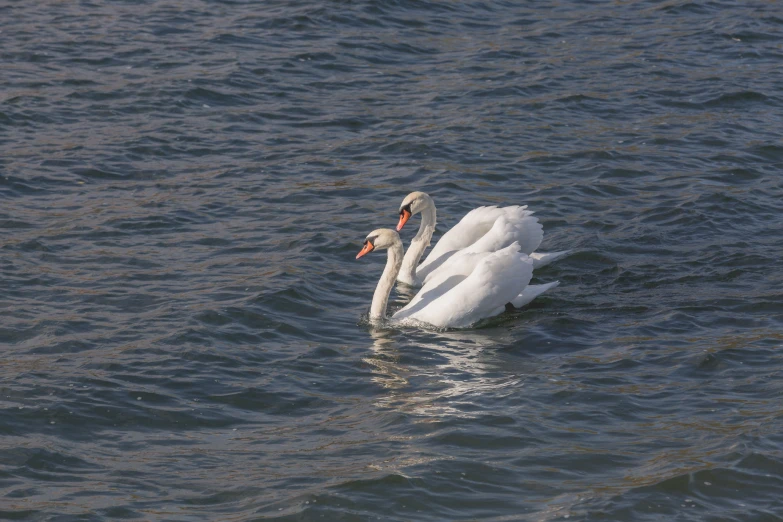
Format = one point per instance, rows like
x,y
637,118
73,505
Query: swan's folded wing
x,y
485,229
544,258
458,262
528,294
470,229
531,292
497,279
454,272
427,295
526,231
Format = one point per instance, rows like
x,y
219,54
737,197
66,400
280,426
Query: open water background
x,y
184,186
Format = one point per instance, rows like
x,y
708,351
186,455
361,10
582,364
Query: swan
x,y
482,286
483,229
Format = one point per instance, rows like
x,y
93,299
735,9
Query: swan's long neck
x,y
418,245
381,296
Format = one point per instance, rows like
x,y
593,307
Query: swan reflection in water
x,y
437,374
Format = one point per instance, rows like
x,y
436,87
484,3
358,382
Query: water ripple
x,y
185,188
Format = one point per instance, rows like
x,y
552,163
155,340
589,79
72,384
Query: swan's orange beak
x,y
368,247
405,215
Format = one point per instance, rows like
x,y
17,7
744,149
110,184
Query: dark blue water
x,y
183,189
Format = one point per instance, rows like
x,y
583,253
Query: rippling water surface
x,y
185,185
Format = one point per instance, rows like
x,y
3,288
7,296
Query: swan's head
x,y
379,239
413,203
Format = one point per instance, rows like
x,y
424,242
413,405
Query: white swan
x,y
484,229
478,288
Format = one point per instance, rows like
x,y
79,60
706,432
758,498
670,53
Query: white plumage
x,y
477,287
482,230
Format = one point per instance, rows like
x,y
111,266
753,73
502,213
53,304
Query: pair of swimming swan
x,y
477,268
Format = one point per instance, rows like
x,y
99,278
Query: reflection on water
x,y
404,294
461,366
445,378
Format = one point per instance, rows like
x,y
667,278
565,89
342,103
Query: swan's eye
x,y
406,208
367,248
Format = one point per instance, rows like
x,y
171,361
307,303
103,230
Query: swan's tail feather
x,y
544,258
531,292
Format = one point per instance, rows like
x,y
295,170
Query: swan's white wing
x,y
544,258
528,294
484,229
497,279
504,232
531,292
526,231
456,262
470,228
453,274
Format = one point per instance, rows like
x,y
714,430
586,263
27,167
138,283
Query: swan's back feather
x,y
526,232
497,278
528,294
544,258
455,271
470,228
485,229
